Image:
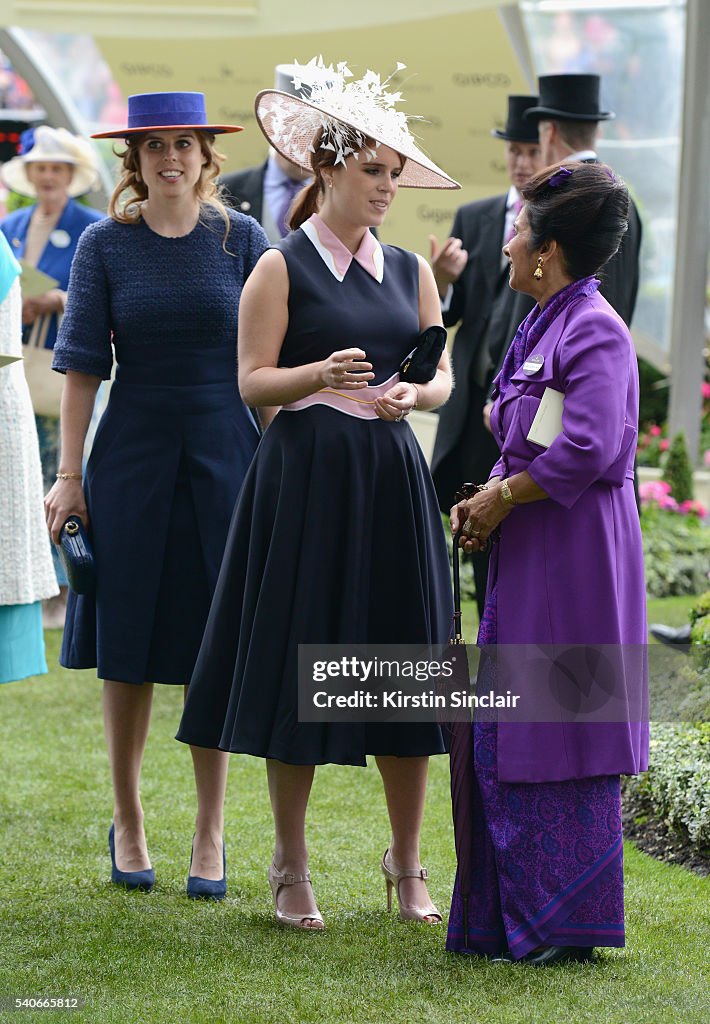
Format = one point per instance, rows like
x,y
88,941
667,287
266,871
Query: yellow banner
x,y
460,70
171,19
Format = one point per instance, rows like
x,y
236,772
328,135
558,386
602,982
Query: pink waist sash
x,y
360,403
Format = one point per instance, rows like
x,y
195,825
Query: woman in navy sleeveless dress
x,y
336,537
162,283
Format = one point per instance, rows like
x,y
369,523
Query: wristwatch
x,y
506,494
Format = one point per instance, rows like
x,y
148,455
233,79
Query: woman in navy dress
x,y
336,537
160,280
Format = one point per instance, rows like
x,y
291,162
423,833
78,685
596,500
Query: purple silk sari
x,y
539,864
544,864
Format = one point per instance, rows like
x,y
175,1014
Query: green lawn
x,y
66,931
673,611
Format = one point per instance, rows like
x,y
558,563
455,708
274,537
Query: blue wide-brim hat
x,y
167,111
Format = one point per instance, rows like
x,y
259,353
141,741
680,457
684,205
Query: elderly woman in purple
x,y
536,804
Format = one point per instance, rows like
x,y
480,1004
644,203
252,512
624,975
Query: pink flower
x,y
693,508
705,389
668,503
706,457
664,445
655,490
655,430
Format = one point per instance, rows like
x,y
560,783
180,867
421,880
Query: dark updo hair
x,y
582,207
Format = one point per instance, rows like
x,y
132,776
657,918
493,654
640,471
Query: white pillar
x,y
693,232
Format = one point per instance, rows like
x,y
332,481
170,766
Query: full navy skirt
x,y
336,538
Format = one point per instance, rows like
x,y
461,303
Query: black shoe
x,y
669,634
559,954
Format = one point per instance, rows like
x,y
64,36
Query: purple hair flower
x,y
559,177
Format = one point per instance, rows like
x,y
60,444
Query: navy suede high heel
x,y
143,880
207,888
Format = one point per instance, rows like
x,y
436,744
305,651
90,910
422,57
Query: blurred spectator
x,y
53,167
267,191
26,573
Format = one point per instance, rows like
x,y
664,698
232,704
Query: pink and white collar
x,y
337,257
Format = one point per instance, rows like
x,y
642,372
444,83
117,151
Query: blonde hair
x,y
131,190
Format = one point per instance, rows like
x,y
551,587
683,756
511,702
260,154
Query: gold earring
x,y
538,271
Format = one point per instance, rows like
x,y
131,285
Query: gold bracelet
x,y
416,404
69,476
506,495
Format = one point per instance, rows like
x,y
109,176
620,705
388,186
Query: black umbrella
x,y
461,762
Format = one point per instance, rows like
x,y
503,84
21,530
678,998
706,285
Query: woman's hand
x,y
66,498
52,301
398,402
346,370
479,516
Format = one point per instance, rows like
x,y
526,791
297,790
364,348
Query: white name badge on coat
x,y
547,424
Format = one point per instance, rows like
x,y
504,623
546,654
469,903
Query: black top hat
x,y
517,129
569,98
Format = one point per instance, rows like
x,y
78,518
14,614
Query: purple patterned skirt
x,y
539,864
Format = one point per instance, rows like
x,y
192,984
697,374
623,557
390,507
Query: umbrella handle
x,y
457,638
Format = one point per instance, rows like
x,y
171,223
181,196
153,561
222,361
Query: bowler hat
x,y
569,98
163,111
517,128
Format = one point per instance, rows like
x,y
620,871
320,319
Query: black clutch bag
x,y
420,365
77,556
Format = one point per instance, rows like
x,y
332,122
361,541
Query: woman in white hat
x,y
54,167
336,537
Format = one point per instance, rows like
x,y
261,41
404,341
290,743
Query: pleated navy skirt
x,y
336,538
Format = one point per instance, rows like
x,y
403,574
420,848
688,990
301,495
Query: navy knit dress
x,y
174,444
336,538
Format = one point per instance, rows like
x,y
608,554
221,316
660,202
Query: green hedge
x,y
676,788
676,552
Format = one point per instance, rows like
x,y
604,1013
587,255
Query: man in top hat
x,y
472,276
567,118
267,191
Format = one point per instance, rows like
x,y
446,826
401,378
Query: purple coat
x,y
570,567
